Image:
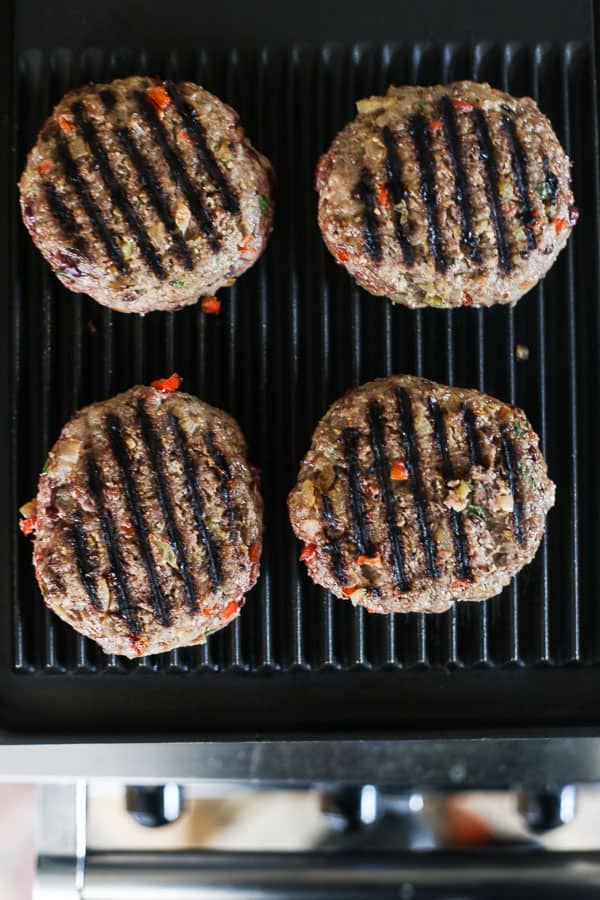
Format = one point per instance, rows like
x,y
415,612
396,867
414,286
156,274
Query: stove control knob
x,y
547,808
154,805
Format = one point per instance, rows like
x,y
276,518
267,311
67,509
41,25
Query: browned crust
x,y
471,271
147,267
148,586
462,527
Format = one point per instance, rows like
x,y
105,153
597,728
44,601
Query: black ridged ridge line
x,y
117,193
419,132
472,434
508,455
551,181
196,502
121,455
382,470
461,551
333,543
91,209
155,454
413,464
109,534
196,131
488,158
222,463
77,541
519,167
65,219
461,182
151,185
397,192
360,526
178,170
366,192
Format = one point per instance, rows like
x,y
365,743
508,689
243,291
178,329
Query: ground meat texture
x,y
146,194
149,522
414,495
453,195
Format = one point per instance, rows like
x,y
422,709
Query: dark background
x,y
137,23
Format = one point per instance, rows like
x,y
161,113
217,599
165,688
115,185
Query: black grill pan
x,y
293,335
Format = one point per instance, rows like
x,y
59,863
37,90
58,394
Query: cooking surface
x,y
293,334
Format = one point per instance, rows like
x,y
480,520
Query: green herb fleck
x,y
45,469
177,282
265,205
477,511
532,481
543,190
521,468
64,273
518,428
527,422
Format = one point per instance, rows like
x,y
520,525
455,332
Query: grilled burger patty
x,y
149,522
454,195
414,495
146,194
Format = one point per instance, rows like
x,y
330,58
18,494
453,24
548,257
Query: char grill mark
x,y
419,132
461,183
382,470
509,457
117,193
108,99
397,192
150,184
461,551
155,454
366,192
488,158
360,525
225,478
121,455
196,502
519,167
77,541
333,543
413,464
92,211
551,181
109,535
196,131
472,433
178,170
65,219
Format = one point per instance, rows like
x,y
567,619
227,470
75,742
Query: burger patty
x,y
148,522
414,495
146,194
453,195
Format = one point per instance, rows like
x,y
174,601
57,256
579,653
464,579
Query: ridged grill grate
x,y
294,333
